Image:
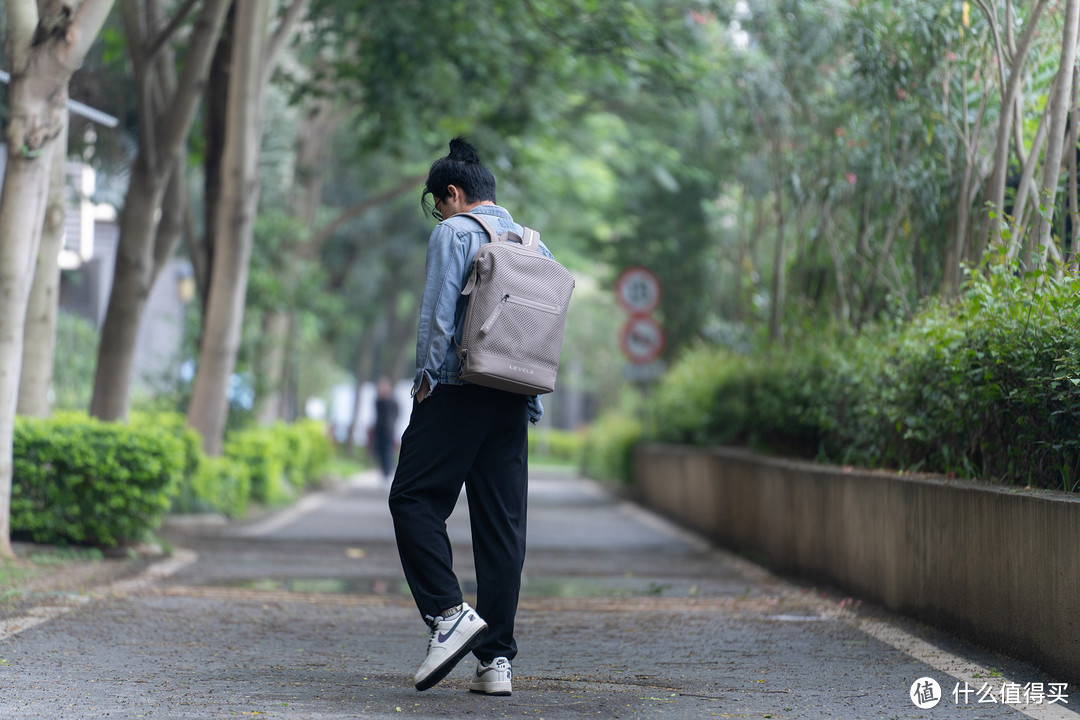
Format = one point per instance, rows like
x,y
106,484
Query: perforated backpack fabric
x,y
516,315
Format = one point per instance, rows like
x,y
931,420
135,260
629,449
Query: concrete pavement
x,y
305,614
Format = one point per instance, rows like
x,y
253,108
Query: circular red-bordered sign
x,y
641,340
637,290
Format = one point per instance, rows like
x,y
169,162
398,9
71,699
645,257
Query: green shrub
x,y
700,400
987,387
223,485
265,457
559,446
186,498
609,447
207,484
282,460
715,396
80,481
308,451
73,379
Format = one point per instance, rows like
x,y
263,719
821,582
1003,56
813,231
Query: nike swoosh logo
x,y
443,637
485,671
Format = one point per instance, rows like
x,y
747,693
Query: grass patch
x,y
37,561
344,467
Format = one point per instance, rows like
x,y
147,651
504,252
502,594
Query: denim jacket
x,y
451,249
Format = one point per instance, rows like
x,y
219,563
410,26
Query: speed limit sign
x,y
637,290
642,340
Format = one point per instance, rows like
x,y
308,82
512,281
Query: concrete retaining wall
x,y
997,565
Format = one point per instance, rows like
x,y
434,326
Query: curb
x,y
152,573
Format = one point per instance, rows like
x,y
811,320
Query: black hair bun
x,y
463,151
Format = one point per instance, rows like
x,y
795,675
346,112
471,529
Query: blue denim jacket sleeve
x,y
447,256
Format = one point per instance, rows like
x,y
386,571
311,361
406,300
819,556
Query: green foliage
x,y
282,460
78,480
609,447
207,484
988,388
219,484
308,451
556,446
719,396
81,481
73,372
258,451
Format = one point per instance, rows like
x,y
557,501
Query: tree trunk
x,y
37,102
1059,110
776,311
39,336
1010,110
958,250
216,114
167,108
252,62
174,215
234,223
365,361
1019,237
132,280
1074,209
273,369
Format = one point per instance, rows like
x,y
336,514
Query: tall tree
x,y
39,336
1011,114
46,43
166,108
254,54
1058,109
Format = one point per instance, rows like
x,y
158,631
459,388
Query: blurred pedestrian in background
x,y
383,439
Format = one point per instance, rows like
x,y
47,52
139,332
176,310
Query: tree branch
x,y
83,30
152,48
317,240
281,34
176,121
22,21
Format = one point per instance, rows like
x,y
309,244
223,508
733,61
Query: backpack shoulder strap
x,y
483,223
530,238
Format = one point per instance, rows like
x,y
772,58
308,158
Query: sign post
x,y
638,292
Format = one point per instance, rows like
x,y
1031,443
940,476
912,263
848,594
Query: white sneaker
x,y
452,638
493,679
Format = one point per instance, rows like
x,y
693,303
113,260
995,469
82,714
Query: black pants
x,y
477,436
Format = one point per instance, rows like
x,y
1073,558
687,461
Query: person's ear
x,y
452,192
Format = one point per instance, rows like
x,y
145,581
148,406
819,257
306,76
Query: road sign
x,y
641,340
648,373
637,290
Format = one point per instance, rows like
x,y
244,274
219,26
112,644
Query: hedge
x,y
609,447
557,446
987,387
283,459
81,481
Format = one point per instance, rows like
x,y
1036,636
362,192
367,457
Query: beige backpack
x,y
516,315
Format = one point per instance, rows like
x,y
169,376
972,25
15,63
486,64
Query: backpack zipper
x,y
516,300
493,316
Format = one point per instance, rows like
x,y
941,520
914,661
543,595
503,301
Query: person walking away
x,y
461,434
382,432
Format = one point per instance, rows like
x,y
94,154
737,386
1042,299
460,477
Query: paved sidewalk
x,y
304,614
